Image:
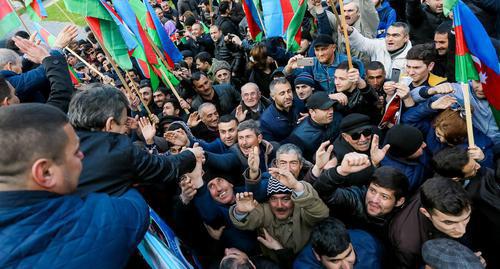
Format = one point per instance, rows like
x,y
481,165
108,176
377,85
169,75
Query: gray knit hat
x,y
275,187
219,65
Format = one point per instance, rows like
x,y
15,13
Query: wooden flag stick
x,y
346,36
122,79
165,77
86,63
468,114
336,13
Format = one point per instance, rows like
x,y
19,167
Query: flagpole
x,y
468,114
261,21
20,19
346,36
122,79
86,63
336,13
160,55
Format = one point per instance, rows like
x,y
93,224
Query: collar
x,y
11,199
399,51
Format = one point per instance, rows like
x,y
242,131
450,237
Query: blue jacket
x,y
309,135
416,171
368,253
387,16
421,116
276,125
39,229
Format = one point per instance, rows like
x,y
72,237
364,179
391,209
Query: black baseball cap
x,y
320,100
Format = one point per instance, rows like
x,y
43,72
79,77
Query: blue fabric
x,y
275,126
324,74
216,146
421,116
387,16
39,229
367,248
416,171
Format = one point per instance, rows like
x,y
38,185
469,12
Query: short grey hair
x,y
202,107
8,55
249,125
276,81
290,149
250,85
400,24
90,108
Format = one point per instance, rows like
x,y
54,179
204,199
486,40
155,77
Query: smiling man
x,y
419,64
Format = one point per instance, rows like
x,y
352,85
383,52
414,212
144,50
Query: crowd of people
x,y
262,157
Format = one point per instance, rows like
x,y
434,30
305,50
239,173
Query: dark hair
x,y
445,195
391,178
90,108
174,102
422,52
224,7
249,125
189,21
345,65
444,28
29,132
4,89
330,238
233,263
375,65
450,162
197,76
204,57
228,118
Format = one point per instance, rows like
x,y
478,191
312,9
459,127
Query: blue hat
x,y
305,78
449,254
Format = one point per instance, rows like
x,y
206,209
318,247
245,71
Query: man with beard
x,y
367,207
444,41
292,210
280,118
224,97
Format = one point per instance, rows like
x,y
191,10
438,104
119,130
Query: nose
x,y
80,155
461,227
279,203
345,265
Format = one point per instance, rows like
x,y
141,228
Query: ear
x,y
41,173
431,66
109,124
345,136
5,102
400,202
425,212
8,66
259,138
316,255
311,112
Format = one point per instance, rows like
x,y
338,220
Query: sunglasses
x,y
366,132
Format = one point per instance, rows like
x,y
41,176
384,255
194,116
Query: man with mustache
x,y
367,207
292,209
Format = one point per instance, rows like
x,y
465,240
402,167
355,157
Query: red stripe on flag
x,y
36,7
149,21
95,25
5,8
461,47
287,10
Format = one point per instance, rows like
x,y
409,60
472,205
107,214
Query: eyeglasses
x,y
366,132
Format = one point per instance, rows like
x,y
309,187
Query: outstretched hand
x,y
34,52
245,202
377,154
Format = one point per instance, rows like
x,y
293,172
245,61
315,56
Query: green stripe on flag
x,y
88,8
115,44
8,23
448,6
295,24
464,68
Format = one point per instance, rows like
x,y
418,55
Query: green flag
x,y
8,18
88,8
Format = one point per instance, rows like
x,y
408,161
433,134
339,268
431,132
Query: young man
x,y
39,169
440,210
419,64
224,97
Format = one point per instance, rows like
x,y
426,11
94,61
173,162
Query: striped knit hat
x,y
275,187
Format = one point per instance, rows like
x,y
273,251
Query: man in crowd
x,y
39,169
224,97
253,103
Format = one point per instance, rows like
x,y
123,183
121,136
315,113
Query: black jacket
x,y
61,87
112,163
230,53
423,21
227,26
228,99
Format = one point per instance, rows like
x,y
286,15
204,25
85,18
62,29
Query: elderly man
x,y
112,163
206,126
292,210
39,169
279,119
253,103
390,51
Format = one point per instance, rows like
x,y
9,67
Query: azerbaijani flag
x,y
254,17
8,18
160,37
476,58
73,75
35,10
44,35
283,18
126,12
